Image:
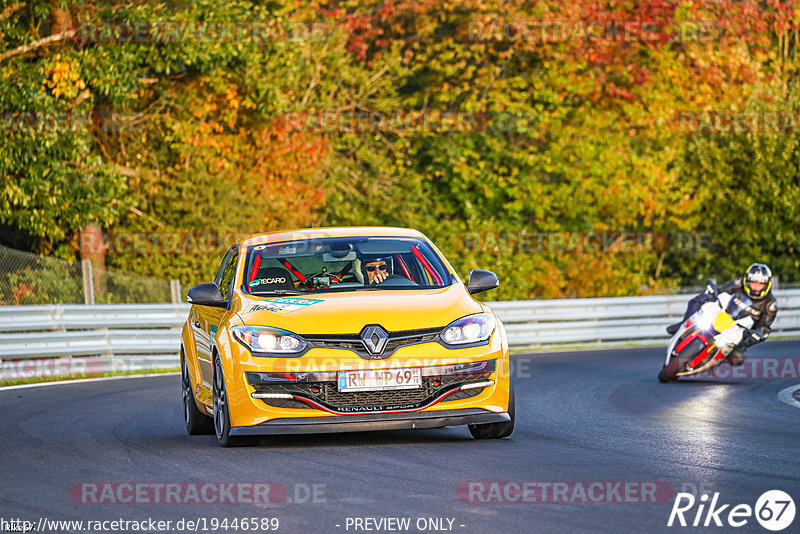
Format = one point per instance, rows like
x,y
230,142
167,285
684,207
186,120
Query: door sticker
x,y
284,304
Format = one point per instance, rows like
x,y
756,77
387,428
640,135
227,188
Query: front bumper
x,y
319,390
366,422
247,410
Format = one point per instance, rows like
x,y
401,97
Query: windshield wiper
x,y
383,288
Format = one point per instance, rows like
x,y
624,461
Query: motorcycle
x,y
706,338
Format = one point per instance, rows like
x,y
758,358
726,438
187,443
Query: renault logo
x,y
374,338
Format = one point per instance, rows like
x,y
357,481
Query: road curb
x,y
790,395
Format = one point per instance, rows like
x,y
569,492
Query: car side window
x,y
221,267
228,273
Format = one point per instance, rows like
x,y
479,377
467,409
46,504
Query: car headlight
x,y
263,340
470,329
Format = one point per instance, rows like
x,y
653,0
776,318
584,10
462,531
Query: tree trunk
x,y
61,18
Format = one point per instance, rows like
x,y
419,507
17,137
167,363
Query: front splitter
x,y
366,422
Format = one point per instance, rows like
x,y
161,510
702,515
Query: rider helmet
x,y
757,281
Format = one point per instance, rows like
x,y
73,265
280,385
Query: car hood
x,y
349,312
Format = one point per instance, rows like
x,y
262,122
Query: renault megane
x,y
342,329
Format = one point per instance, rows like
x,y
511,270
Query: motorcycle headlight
x,y
266,341
470,329
702,322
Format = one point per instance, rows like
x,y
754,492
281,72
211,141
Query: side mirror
x,y
480,280
711,288
207,295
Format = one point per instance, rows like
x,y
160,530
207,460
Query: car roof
x,y
333,231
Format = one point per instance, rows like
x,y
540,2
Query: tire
x,y
496,430
197,423
670,371
222,418
665,376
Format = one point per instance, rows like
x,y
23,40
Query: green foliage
x,y
57,283
752,202
571,136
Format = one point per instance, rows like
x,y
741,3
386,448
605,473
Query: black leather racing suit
x,y
762,310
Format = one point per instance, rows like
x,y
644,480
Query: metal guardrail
x,y
30,332
614,321
153,330
52,318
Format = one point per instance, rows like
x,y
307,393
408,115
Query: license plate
x,y
380,379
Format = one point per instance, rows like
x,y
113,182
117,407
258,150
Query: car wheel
x,y
222,418
197,423
496,430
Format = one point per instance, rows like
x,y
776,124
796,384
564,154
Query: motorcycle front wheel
x,y
670,371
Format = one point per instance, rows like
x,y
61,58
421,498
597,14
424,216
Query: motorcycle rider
x,y
755,286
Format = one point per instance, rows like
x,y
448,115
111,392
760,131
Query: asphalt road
x,y
581,416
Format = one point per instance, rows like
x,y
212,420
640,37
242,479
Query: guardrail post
x,y
175,291
88,282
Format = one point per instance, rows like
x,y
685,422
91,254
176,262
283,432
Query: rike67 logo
x,y
774,510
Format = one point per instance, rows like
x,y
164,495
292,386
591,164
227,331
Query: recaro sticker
x,y
284,304
267,281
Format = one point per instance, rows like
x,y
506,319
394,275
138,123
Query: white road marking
x,y
83,380
785,395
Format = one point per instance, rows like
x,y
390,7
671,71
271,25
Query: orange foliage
x,y
275,166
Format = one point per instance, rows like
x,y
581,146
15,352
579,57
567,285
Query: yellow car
x,y
342,329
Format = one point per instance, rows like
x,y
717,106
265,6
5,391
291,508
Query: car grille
x,y
397,339
327,394
391,398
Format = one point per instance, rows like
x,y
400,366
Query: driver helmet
x,y
757,281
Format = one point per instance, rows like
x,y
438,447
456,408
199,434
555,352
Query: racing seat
x,y
270,279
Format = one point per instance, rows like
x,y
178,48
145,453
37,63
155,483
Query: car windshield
x,y
343,264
